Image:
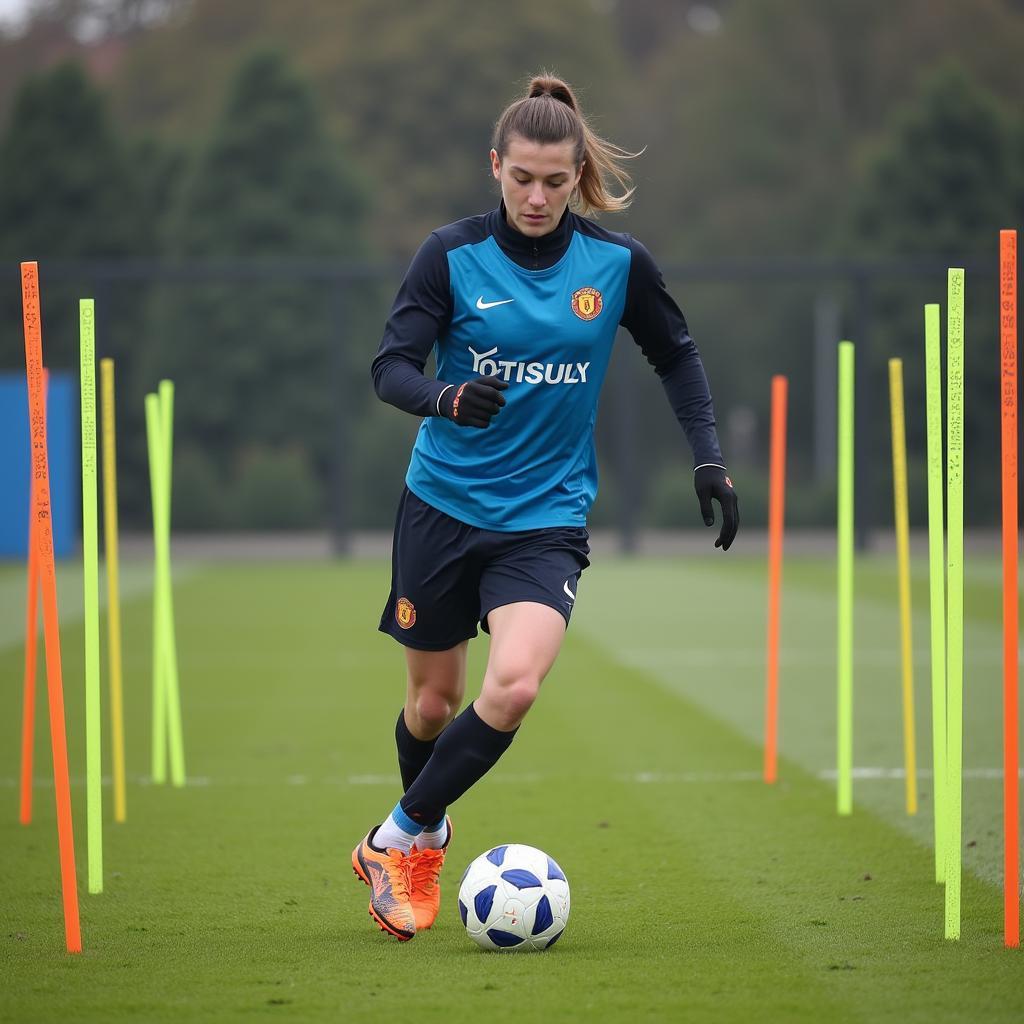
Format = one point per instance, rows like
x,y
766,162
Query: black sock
x,y
413,753
463,754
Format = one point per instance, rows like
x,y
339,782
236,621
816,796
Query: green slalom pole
x,y
955,595
936,576
156,479
171,689
844,734
90,573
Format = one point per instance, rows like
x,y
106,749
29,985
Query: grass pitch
x,y
233,899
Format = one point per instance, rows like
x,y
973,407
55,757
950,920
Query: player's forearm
x,y
686,386
418,318
403,385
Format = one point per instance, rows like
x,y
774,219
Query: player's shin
x,y
463,754
413,753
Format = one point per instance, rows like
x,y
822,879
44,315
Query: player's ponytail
x,y
550,113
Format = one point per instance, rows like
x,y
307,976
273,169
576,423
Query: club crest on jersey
x,y
405,613
587,303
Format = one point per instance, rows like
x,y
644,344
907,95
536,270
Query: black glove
x,y
713,482
475,403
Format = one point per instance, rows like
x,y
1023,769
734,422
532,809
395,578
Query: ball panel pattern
x,y
483,901
521,878
543,918
497,855
514,897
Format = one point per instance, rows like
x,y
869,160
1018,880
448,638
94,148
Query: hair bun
x,y
548,85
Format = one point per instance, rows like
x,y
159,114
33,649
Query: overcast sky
x,y
11,10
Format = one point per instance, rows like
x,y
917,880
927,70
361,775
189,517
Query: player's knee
x,y
517,696
434,711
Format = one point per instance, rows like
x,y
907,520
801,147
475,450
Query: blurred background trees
x,y
329,138
68,191
268,190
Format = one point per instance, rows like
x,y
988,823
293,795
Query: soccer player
x,y
521,306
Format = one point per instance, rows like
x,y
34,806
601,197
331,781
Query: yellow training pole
x,y
154,439
113,586
955,345
172,692
899,480
91,596
844,546
936,574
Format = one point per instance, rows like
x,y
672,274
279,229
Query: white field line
x,y
823,657
866,774
825,775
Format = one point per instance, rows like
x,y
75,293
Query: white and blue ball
x,y
514,897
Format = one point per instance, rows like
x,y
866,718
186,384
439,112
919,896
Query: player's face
x,y
536,181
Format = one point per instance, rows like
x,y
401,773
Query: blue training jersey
x,y
541,314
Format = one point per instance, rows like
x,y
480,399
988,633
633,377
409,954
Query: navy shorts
x,y
447,576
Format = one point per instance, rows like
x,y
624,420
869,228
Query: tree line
x,y
226,133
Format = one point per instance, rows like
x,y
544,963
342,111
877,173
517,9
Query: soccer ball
x,y
514,897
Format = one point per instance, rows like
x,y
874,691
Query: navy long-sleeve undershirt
x,y
423,307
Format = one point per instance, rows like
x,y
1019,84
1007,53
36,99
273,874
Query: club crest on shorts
x,y
587,303
405,613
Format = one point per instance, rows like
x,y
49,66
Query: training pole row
x,y
167,733
42,584
945,475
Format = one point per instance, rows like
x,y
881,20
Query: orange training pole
x,y
776,511
48,580
1008,346
28,714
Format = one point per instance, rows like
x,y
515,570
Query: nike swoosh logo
x,y
480,304
565,587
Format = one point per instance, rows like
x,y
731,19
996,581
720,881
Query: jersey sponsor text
x,y
486,365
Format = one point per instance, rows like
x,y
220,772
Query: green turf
x,y
233,899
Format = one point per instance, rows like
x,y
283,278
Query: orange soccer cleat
x,y
425,885
387,875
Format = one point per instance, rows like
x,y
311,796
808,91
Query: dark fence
x,y
750,320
